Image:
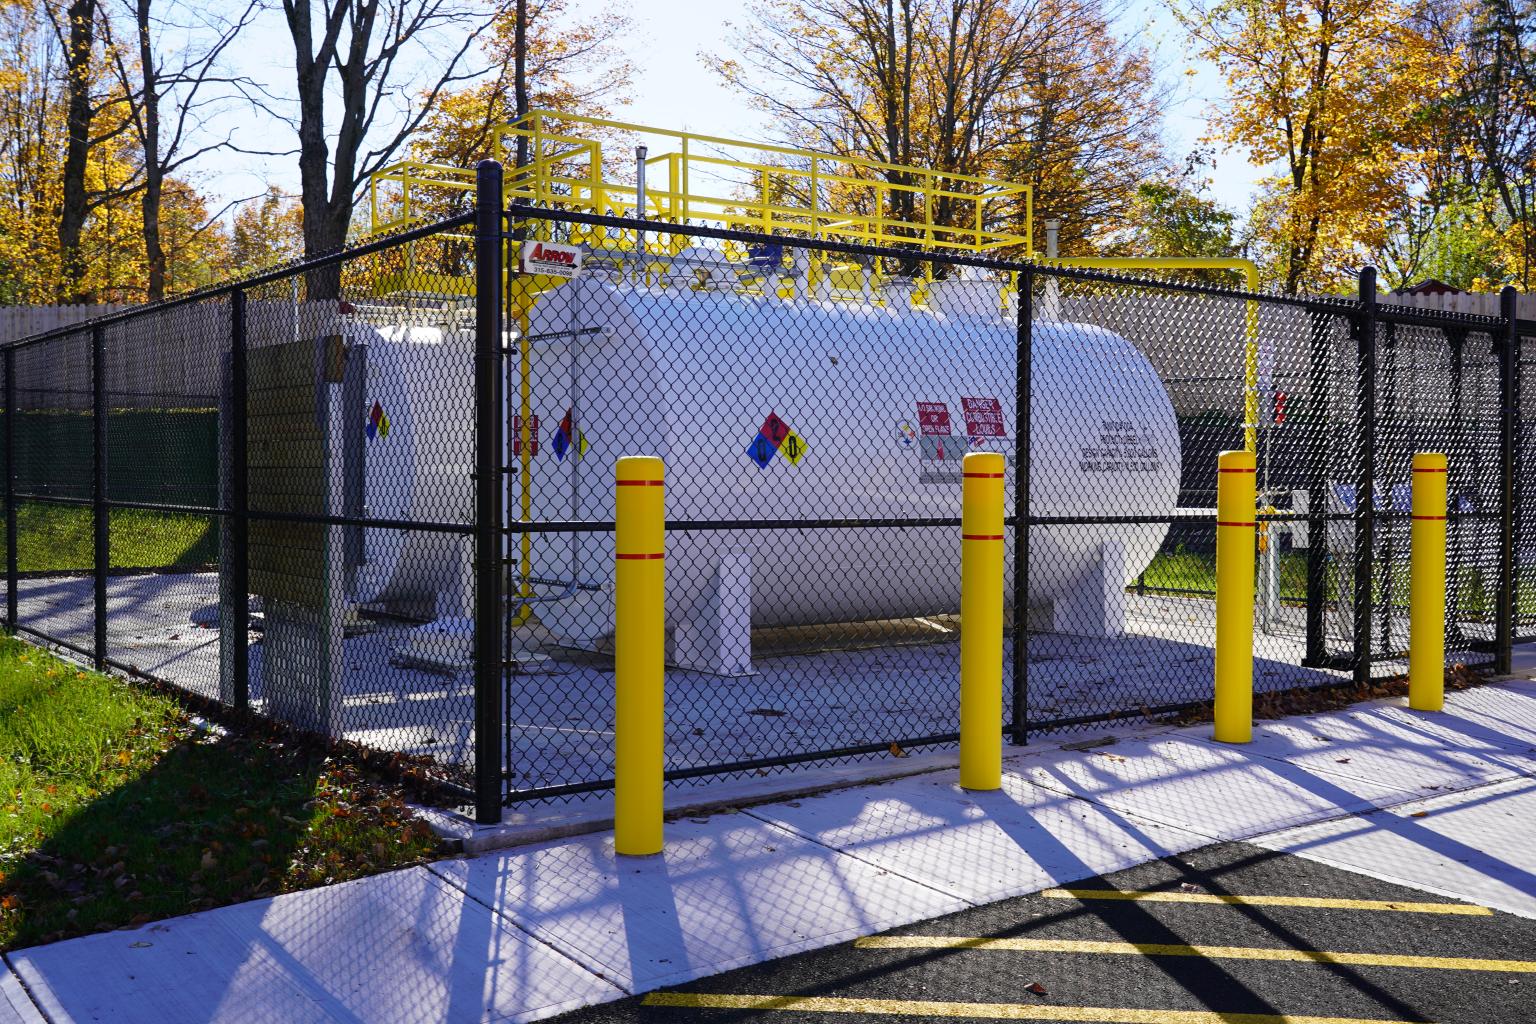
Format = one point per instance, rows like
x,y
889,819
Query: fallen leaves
x,y
1311,700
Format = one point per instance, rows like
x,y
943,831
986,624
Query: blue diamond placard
x,y
761,450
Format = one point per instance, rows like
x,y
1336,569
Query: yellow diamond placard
x,y
793,448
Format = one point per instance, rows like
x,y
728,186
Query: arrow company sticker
x,y
906,433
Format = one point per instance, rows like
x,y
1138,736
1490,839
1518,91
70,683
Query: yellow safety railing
x,y
725,182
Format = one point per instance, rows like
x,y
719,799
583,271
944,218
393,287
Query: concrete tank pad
x,y
560,715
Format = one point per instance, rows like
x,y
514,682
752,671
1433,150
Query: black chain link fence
x,y
812,402
261,494
372,496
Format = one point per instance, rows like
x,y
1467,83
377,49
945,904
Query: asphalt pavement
x,y
1231,933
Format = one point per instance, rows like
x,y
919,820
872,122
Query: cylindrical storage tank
x,y
693,376
417,453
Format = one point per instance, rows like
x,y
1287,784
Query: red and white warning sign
x,y
983,417
933,419
517,435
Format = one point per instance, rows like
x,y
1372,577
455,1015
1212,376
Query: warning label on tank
x,y
941,459
775,437
532,432
1119,448
983,417
933,419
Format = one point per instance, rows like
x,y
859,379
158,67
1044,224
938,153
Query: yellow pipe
x,y
981,621
638,650
1250,272
1426,611
525,468
1235,521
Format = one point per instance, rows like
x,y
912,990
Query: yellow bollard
x,y
1426,612
1235,536
638,662
981,621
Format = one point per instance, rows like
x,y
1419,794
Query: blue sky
x,y
674,89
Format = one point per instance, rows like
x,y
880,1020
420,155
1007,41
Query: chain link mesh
x,y
812,403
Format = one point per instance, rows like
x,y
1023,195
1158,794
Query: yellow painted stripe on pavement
x,y
981,1011
1322,902
1313,956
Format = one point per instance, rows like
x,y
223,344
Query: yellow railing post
x,y
1426,610
1235,539
981,621
638,642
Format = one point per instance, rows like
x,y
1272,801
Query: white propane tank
x,y
867,391
418,457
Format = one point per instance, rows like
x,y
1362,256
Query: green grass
x,y
1186,571
1195,571
117,807
59,538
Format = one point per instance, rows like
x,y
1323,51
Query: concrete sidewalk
x,y
1441,802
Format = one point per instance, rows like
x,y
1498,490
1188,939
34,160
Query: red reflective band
x,y
981,536
1435,518
1429,470
638,483
984,476
1251,469
646,557
1220,523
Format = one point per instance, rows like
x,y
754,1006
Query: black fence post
x,y
1320,406
238,554
488,512
1509,409
99,516
1019,726
1365,486
10,487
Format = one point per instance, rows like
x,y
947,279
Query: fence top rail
x,y
1444,319
265,277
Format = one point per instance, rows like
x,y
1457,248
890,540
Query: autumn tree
x,y
94,121
107,261
170,75
573,66
1334,93
267,232
384,63
31,132
1174,218
1038,91
1484,129
1083,127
